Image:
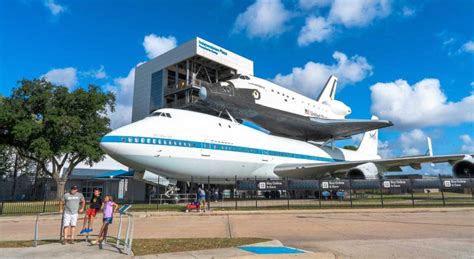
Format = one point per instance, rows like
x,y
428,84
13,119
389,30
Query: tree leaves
x,y
49,124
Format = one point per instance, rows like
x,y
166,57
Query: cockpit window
x,y
161,114
240,76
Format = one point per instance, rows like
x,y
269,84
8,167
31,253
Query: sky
x,y
411,62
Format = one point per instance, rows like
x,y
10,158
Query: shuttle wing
x,y
323,129
318,170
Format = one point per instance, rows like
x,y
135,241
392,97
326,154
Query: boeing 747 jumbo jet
x,y
285,112
179,143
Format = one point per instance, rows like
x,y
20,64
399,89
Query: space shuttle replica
x,y
179,143
285,112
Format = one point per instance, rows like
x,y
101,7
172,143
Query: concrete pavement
x,y
367,233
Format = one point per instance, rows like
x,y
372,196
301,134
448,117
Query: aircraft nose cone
x,y
105,143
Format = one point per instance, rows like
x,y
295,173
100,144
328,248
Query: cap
x,y
74,187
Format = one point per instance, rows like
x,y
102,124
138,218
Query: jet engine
x,y
364,171
464,168
338,107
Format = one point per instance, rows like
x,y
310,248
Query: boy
x,y
94,206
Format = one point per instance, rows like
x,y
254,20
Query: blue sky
x,y
408,61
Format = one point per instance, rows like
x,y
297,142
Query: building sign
x,y
396,184
335,185
270,185
456,183
211,48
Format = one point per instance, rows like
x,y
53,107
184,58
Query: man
x,y
94,207
70,208
201,195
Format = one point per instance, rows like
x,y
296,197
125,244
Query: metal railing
x,y
122,244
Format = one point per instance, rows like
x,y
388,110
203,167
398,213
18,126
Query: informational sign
x,y
456,183
396,184
335,185
270,185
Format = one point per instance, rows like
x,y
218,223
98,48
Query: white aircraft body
x,y
182,144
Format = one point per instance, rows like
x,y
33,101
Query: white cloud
x,y
421,105
123,90
468,47
62,76
310,79
95,73
157,45
100,73
413,142
408,11
53,7
468,144
358,13
264,18
308,4
316,29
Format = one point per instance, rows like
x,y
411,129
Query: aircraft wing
x,y
317,170
340,129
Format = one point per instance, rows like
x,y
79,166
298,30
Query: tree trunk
x,y
61,185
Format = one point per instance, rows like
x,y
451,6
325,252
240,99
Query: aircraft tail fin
x,y
369,143
329,90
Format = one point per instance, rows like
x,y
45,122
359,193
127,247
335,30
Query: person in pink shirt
x,y
108,209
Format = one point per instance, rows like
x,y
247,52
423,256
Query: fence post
x,y
441,189
158,193
1,209
411,191
319,192
210,192
381,191
287,193
235,191
350,189
470,181
256,193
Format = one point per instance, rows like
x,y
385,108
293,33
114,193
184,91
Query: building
x,y
173,79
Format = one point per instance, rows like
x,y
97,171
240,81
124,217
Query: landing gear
x,y
272,195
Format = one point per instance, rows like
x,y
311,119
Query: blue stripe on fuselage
x,y
212,146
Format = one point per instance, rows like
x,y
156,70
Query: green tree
x,y
56,128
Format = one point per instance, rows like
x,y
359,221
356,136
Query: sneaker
x,y
84,230
100,245
63,242
89,230
93,242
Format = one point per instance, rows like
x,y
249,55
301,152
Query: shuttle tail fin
x,y
369,143
329,90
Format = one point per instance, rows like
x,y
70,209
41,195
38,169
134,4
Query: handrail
x,y
35,238
125,244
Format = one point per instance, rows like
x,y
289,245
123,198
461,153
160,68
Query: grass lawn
x,y
159,246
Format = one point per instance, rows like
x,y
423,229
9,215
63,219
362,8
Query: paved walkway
x,y
369,233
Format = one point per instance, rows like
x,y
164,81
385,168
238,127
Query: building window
x,y
156,95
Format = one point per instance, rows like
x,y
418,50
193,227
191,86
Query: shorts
x,y
91,212
108,220
70,220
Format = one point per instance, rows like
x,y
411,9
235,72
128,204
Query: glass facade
x,y
156,101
